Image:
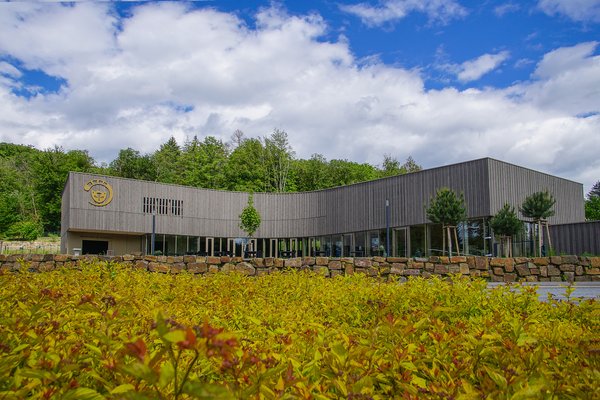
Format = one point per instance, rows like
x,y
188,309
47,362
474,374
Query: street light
x,y
153,230
387,227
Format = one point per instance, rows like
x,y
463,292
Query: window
x,y
162,206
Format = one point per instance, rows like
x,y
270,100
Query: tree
x,y
390,166
245,170
448,210
167,162
538,207
506,224
130,164
592,204
250,218
410,165
310,174
278,157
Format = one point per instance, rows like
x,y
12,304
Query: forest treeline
x,y
32,180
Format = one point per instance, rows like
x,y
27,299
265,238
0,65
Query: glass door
x,y
210,246
400,238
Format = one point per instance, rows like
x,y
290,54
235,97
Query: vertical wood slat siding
x,y
578,238
509,183
486,185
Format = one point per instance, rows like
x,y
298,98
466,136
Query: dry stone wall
x,y
541,269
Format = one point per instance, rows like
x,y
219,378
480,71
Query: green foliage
x,y
250,218
446,208
107,331
278,156
506,222
391,166
592,204
25,230
130,164
538,206
592,208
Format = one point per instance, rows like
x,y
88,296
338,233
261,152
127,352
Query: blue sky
x,y
442,80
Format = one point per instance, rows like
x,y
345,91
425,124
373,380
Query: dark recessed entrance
x,y
94,247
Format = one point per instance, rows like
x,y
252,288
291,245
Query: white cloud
x,y
167,70
577,10
474,69
9,70
390,10
506,8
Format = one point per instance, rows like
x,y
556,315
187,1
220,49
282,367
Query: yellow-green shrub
x,y
107,331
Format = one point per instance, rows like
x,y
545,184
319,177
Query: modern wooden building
x,y
103,214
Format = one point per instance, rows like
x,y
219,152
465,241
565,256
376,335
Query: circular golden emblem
x,y
100,191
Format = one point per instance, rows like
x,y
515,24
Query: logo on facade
x,y
100,191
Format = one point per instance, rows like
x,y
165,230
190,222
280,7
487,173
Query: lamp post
x,y
153,231
387,227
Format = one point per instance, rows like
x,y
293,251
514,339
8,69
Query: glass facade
x,y
474,237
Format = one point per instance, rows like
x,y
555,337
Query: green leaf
x,y
167,372
174,336
497,377
83,394
201,390
122,388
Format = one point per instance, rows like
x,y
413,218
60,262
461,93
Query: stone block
x,y
335,264
418,265
61,257
440,269
497,278
258,262
245,268
531,278
397,269
475,273
434,259
421,259
228,267
189,259
464,268
534,270
334,273
595,262
556,260
555,279
583,278
348,268
544,279
151,258
277,262
523,270
170,259
481,263
411,272
384,269
161,259
397,260
553,271
322,260
177,268
543,270
458,259
2,258
521,260
213,269
322,270
569,259
497,262
379,259
141,264
498,271
454,269
569,276
444,260
362,262
308,261
510,277
213,260
539,261
269,262
429,267
263,271
593,271
158,267
578,270
293,263
567,268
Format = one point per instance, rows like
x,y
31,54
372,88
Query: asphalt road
x,y
585,290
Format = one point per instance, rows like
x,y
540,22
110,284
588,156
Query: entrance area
x,y
94,246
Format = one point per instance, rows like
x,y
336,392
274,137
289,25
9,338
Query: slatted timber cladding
x,y
485,183
579,238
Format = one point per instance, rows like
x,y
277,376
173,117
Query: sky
x,y
443,81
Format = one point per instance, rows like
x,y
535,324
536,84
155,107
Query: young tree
x,y
538,207
278,157
506,224
250,218
592,204
448,210
168,163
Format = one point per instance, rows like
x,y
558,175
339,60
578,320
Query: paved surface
x,y
585,290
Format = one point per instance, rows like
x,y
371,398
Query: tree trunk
x,y
540,233
449,241
456,239
443,240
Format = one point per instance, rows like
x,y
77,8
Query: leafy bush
x,y
25,230
109,331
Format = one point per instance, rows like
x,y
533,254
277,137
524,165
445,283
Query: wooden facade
x,y
486,184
